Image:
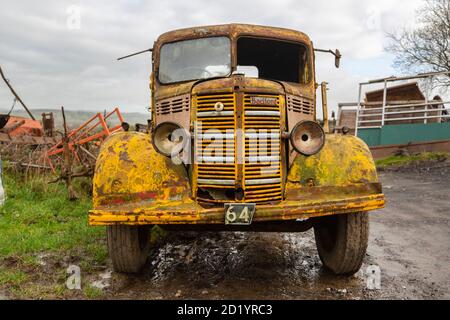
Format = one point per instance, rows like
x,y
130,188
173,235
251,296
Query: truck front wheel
x,y
341,241
128,247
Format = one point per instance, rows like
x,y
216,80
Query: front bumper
x,y
300,203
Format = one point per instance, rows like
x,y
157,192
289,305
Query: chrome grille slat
x,y
213,136
205,114
216,182
262,135
262,113
262,158
216,160
253,182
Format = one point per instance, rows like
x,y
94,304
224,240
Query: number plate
x,y
239,213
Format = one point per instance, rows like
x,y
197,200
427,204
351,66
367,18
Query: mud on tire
x,y
128,247
342,240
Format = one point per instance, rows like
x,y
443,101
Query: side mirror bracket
x,y
337,55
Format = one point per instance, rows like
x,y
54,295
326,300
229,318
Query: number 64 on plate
x,y
239,213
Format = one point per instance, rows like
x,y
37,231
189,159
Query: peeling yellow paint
x,y
128,169
344,160
133,184
192,213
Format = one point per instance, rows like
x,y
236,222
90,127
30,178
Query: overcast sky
x,y
51,62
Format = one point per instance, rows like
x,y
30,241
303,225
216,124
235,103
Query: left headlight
x,y
307,138
169,138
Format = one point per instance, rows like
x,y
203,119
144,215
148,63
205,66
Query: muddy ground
x,y
409,241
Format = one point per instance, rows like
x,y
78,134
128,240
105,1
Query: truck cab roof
x,y
234,30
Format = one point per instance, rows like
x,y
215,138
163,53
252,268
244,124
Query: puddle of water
x,y
246,265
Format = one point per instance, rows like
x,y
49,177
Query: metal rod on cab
x,y
135,54
337,55
326,126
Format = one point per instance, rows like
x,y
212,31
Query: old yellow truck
x,y
235,145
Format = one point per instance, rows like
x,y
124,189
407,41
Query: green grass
x,y
12,277
92,292
38,217
398,161
42,233
38,223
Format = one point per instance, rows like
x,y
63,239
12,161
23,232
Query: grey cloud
x,y
52,66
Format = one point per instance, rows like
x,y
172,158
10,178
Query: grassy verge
x,y
398,161
41,233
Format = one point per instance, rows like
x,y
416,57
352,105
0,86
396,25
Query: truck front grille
x,y
262,168
218,166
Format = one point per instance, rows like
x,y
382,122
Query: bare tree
x,y
425,48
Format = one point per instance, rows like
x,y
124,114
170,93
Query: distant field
x,y
76,118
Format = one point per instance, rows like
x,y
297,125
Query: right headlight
x,y
307,138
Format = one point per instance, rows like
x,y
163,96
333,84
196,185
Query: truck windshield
x,y
195,59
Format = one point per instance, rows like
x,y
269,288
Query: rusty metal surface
x,y
238,96
180,212
23,131
239,141
344,160
233,31
299,107
48,123
174,109
91,133
128,170
135,185
20,126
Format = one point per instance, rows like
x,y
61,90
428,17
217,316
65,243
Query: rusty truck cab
x,y
280,64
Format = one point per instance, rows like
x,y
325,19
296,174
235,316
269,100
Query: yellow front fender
x,y
344,160
135,185
128,170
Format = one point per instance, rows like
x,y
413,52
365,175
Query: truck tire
x,y
341,241
128,247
